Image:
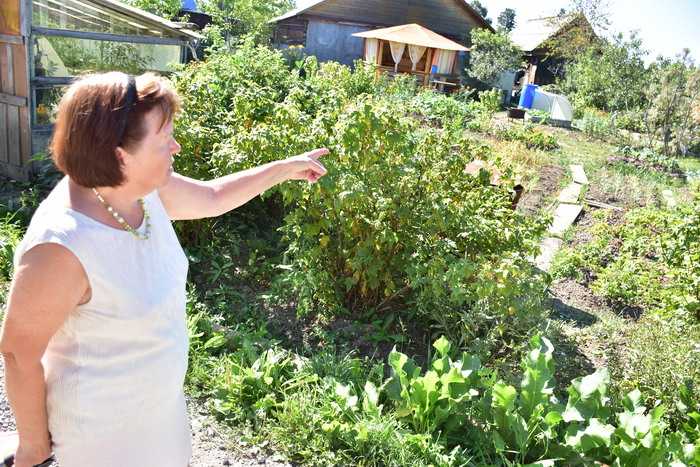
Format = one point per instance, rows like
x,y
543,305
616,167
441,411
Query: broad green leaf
x,y
442,345
215,342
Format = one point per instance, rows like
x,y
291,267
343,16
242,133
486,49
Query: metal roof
x,y
298,11
147,17
529,35
413,34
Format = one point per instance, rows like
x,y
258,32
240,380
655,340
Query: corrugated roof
x,y
298,11
528,35
149,17
532,33
413,34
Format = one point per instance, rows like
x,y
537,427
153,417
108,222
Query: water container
x,y
527,96
189,5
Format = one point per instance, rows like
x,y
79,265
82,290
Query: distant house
x,y
325,28
539,38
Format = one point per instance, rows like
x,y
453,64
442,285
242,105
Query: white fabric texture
x,y
397,49
416,53
115,369
371,50
445,61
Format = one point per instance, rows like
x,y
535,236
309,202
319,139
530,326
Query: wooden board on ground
x,y
548,249
578,174
564,216
670,199
571,193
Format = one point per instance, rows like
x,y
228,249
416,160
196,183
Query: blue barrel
x,y
527,96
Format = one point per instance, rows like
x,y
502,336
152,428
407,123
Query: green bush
x,y
491,100
396,223
631,120
10,235
658,358
596,124
529,135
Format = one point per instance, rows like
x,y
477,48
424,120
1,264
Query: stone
x,y
548,248
571,193
564,217
670,199
578,174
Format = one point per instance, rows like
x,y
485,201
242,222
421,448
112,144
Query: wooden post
x,y
428,64
380,53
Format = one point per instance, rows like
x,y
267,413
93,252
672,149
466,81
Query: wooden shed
x,y
325,28
45,44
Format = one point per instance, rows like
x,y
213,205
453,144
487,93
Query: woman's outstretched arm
x,y
186,198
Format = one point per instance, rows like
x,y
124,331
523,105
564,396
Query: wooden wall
x,y
15,129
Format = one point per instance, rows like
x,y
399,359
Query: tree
x,y
610,77
506,20
481,9
245,17
491,55
673,96
164,8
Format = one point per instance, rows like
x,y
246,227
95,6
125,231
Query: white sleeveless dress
x,y
115,369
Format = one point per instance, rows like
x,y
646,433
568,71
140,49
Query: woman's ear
x,y
121,155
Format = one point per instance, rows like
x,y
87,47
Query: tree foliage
x,y
611,77
492,54
481,9
674,96
506,20
246,17
163,8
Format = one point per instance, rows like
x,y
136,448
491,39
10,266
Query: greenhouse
x,y
45,44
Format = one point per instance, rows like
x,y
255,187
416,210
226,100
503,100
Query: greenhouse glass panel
x,y
68,56
47,100
84,16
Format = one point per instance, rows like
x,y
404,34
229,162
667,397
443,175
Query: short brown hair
x,y
89,116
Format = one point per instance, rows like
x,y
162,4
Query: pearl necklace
x,y
125,225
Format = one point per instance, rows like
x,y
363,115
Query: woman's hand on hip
x,y
29,457
306,166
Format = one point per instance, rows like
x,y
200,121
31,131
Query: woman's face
x,y
150,164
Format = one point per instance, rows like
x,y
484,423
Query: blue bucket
x,y
528,96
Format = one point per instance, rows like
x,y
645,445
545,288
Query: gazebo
x,y
413,49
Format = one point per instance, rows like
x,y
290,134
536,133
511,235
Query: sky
x,y
666,27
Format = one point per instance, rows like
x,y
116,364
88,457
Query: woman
x,y
94,338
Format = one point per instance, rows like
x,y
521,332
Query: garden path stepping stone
x,y
549,248
579,175
564,216
571,193
670,199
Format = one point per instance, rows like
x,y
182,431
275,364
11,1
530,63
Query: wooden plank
x,y
13,100
564,217
13,136
14,172
578,174
3,134
571,193
19,71
10,17
19,40
670,199
25,136
548,248
598,204
6,85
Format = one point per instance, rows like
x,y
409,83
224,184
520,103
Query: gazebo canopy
x,y
413,34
